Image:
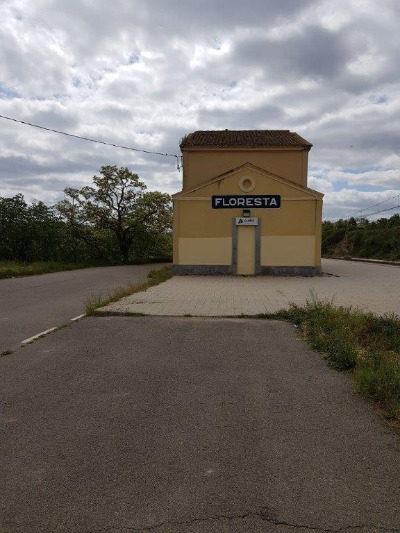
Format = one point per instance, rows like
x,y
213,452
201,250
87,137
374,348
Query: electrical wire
x,y
382,211
374,205
369,214
371,207
177,157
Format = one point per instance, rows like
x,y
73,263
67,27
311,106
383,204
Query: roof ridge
x,y
246,138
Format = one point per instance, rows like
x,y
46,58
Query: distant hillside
x,y
361,238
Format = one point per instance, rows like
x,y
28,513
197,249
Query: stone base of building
x,y
304,271
229,270
203,270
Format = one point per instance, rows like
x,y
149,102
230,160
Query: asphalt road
x,y
124,424
33,304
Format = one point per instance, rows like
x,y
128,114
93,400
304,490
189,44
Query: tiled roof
x,y
248,138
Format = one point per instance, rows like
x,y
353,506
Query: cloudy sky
x,y
145,73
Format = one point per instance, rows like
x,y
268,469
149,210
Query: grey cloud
x,y
315,53
115,113
30,169
267,116
213,16
55,119
122,90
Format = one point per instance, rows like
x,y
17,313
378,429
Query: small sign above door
x,y
246,221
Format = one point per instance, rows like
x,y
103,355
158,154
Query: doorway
x,y
246,251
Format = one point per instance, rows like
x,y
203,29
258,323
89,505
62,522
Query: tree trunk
x,y
124,248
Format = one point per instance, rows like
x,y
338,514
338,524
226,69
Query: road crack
x,y
263,514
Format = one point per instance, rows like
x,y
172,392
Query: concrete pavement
x,y
371,287
33,304
192,425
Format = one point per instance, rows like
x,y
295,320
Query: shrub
x,y
350,339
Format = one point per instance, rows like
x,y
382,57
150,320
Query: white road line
x,y
77,317
31,339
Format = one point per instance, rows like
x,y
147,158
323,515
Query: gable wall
x,y
201,165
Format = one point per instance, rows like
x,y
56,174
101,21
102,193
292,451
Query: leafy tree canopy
x,y
118,203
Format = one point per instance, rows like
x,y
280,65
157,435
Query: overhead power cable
x,y
374,205
382,211
375,212
177,157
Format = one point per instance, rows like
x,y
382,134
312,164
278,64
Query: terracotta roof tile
x,y
248,138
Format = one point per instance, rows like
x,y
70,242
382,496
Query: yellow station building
x,y
245,207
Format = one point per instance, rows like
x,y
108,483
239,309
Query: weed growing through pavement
x,y
363,343
155,277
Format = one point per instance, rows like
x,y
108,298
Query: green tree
x,y
13,222
29,233
117,206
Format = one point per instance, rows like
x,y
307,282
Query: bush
x,y
379,239
377,377
350,339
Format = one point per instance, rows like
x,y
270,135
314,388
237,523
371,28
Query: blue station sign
x,y
255,201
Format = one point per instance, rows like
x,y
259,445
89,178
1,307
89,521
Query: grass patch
x,y
154,277
16,269
364,344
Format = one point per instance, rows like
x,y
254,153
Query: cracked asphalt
x,y
122,424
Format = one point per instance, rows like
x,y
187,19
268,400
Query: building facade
x,y
245,207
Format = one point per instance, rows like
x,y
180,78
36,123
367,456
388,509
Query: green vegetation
x,y
361,238
118,217
115,221
155,277
364,344
14,269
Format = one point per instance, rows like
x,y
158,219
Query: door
x,y
246,250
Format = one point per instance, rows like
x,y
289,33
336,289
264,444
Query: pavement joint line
x,y
77,317
42,334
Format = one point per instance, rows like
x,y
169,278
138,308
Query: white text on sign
x,y
260,201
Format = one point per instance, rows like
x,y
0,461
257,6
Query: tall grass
x,y
363,343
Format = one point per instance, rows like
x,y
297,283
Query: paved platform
x,y
371,287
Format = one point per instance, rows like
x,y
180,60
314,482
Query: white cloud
x,y
378,178
320,184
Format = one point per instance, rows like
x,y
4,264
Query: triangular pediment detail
x,y
255,169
